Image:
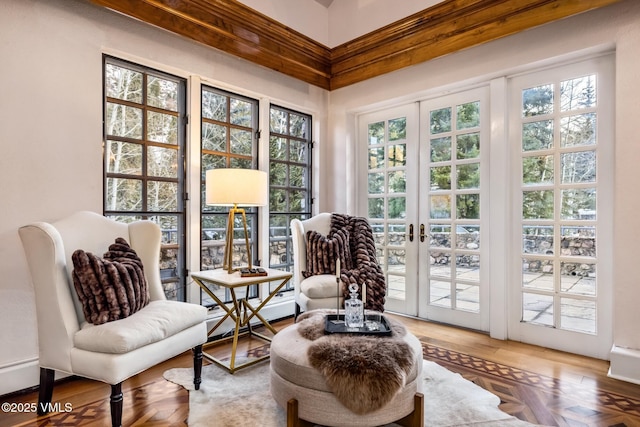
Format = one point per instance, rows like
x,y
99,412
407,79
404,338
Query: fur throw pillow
x,y
112,287
324,251
363,372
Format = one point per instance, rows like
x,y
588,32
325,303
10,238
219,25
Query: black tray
x,y
334,324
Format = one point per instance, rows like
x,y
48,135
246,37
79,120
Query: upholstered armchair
x,y
119,348
318,291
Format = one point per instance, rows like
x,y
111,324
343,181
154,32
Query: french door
x,y
453,175
423,174
562,152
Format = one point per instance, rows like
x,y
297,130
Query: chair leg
x,y
197,366
45,392
297,312
116,405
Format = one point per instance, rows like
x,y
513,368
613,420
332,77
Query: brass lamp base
x,y
228,249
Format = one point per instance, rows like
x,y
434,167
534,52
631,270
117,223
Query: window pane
x,y
537,309
440,207
397,155
440,293
376,133
440,121
376,208
124,121
397,208
468,206
298,176
440,236
440,178
123,83
214,137
162,196
162,162
537,135
578,167
578,278
578,315
278,121
537,239
210,161
278,174
277,148
578,130
468,146
298,126
376,158
124,158
441,149
298,201
241,113
468,297
537,170
162,128
468,115
537,101
537,274
376,183
397,182
162,93
578,93
214,106
398,129
537,204
235,162
124,194
298,151
579,204
468,176
241,142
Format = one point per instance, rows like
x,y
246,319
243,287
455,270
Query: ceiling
x,y
444,28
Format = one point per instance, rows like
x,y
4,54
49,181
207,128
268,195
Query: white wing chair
x,y
113,351
318,291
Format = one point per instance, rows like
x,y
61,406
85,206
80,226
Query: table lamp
x,y
236,187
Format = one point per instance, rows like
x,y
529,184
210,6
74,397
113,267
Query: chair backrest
x,y
320,223
48,249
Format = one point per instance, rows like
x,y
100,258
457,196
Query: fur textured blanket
x,y
363,372
365,268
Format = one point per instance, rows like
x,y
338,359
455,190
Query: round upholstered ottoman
x,y
303,389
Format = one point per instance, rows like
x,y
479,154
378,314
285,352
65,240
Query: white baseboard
x,y
19,376
625,364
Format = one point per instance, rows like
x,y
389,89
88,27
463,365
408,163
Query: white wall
x,y
613,27
51,130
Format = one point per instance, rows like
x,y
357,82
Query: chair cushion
x,y
155,322
321,286
111,288
324,251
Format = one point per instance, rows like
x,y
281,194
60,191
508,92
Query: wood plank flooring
x,y
535,384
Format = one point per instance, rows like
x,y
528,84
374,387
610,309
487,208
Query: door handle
x,y
411,232
422,232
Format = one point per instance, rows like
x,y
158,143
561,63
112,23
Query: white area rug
x,y
243,399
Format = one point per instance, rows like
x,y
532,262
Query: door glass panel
x,y
578,315
578,278
440,293
440,149
537,135
440,177
537,273
537,308
440,207
468,297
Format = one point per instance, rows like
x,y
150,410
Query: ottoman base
x,y
414,419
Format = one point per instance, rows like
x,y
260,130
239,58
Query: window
x,y
229,129
144,139
289,180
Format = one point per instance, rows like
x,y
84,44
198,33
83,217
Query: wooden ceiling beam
x,y
447,27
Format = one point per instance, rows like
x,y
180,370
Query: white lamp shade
x,y
242,187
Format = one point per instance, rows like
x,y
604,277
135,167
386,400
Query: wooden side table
x,y
240,309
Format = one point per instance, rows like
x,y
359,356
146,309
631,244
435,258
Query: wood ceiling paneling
x,y
445,28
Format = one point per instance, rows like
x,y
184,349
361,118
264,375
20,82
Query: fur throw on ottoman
x,y
364,372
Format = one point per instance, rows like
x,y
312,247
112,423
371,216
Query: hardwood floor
x,y
535,384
